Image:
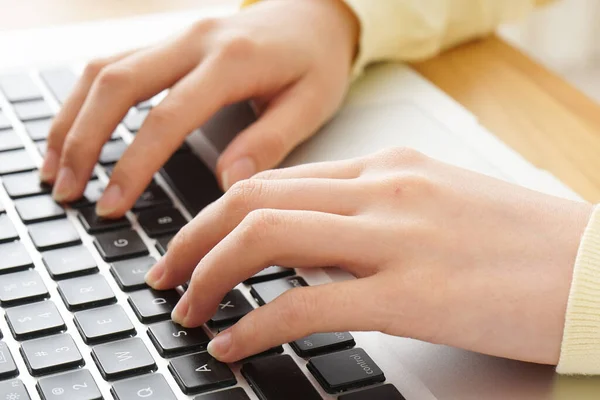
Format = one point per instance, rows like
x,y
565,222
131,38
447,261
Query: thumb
x,y
288,120
295,314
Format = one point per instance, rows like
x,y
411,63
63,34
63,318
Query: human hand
x,y
292,57
441,254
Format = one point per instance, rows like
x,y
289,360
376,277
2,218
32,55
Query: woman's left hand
x,y
441,254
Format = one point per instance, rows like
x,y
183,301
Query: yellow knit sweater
x,y
407,30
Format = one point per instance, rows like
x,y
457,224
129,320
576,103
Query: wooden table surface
x,y
533,110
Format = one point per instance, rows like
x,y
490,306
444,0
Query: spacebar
x,y
191,180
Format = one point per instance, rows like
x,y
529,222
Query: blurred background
x,y
564,36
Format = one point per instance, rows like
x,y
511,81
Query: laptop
x,y
79,322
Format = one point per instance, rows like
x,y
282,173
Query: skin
x,y
437,250
297,77
443,248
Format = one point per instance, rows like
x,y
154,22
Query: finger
x,y
296,239
116,88
162,133
290,119
69,110
298,313
195,240
343,169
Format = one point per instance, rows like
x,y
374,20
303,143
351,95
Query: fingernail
x,y
155,274
65,181
49,166
109,201
242,169
220,345
181,310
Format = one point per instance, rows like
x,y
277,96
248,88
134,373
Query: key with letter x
x,y
233,307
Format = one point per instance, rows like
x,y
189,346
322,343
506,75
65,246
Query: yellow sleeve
x,y
409,30
580,349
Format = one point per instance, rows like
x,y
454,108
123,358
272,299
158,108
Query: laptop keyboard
x,y
86,298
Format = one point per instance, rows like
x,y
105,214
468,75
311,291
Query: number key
x,y
14,257
51,354
75,385
34,320
22,287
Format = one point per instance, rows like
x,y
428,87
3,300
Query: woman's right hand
x,y
292,57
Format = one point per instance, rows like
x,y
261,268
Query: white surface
x,y
390,106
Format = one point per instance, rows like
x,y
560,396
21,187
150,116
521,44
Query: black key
x,y
153,196
13,390
86,292
127,357
266,292
104,324
319,343
232,394
152,305
233,307
134,119
69,263
200,372
53,234
112,152
130,274
19,87
94,224
171,339
162,243
14,257
38,129
345,370
8,368
269,274
51,354
192,181
384,392
22,287
92,193
4,122
9,140
39,209
118,245
278,378
161,221
269,352
8,233
15,161
25,184
2,209
34,320
42,146
60,81
74,385
150,387
31,110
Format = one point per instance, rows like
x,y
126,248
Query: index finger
x,y
117,87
